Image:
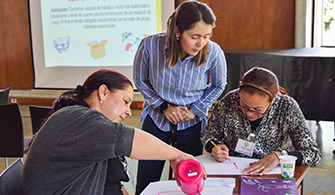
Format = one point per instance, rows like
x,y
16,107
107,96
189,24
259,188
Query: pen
x,y
220,149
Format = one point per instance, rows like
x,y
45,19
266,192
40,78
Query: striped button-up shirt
x,y
183,84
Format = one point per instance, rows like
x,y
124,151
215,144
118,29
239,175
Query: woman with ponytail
x,y
78,147
180,73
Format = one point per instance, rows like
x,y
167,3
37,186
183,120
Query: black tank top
x,y
115,174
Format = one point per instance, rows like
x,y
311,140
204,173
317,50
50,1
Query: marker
x,y
220,149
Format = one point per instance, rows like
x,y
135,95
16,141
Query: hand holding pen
x,y
221,153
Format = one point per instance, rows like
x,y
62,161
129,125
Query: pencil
x,y
220,149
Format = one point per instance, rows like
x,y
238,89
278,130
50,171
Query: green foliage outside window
x,y
329,14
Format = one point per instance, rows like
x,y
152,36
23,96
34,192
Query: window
x,y
328,38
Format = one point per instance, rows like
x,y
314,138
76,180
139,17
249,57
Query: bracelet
x,y
277,155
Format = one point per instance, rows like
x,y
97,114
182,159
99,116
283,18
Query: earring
x,y
100,101
177,37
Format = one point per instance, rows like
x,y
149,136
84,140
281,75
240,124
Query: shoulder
x,y
286,101
154,38
286,107
75,111
84,118
215,54
232,95
229,99
76,116
225,109
214,47
153,42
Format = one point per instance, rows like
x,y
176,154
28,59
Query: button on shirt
x,y
183,84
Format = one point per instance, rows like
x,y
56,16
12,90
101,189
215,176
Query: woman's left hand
x,y
188,115
263,165
175,114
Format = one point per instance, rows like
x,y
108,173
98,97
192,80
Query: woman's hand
x,y
263,165
124,191
148,147
175,114
188,115
183,156
220,154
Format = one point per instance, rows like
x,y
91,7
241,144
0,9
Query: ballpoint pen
x,y
228,157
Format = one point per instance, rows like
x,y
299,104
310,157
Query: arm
x,y
302,139
306,149
214,133
141,75
214,129
148,147
218,77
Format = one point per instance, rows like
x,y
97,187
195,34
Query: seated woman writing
x,y
72,152
258,121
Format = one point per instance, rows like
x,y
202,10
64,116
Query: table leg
x,y
301,187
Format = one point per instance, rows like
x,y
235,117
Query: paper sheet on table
x,y
228,168
213,186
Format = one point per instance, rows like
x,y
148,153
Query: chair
x,y
10,178
37,115
11,131
4,96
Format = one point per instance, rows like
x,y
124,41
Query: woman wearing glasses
x,y
258,121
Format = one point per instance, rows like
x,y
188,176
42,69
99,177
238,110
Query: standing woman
x,y
170,70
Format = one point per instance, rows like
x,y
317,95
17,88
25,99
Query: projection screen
x,y
73,38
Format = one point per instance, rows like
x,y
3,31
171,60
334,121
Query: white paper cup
x,y
287,166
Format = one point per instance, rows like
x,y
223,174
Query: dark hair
x,y
186,15
260,81
112,79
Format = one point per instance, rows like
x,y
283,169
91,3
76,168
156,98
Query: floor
x,y
318,181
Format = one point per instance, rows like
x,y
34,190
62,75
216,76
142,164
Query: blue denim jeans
x,y
187,140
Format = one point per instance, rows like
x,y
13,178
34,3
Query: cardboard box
x,y
97,50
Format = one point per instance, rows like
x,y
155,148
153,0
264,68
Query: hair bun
x,y
79,90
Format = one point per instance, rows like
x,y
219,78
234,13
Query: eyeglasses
x,y
248,110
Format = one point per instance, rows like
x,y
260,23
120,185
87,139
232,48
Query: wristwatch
x,y
163,106
283,153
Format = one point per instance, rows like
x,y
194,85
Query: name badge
x,y
245,147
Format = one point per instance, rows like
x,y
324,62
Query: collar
x,y
82,103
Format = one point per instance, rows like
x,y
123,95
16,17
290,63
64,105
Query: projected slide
x,y
96,32
73,38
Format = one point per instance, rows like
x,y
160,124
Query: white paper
x,y
213,186
214,167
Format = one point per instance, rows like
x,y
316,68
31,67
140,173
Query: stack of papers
x,y
213,186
